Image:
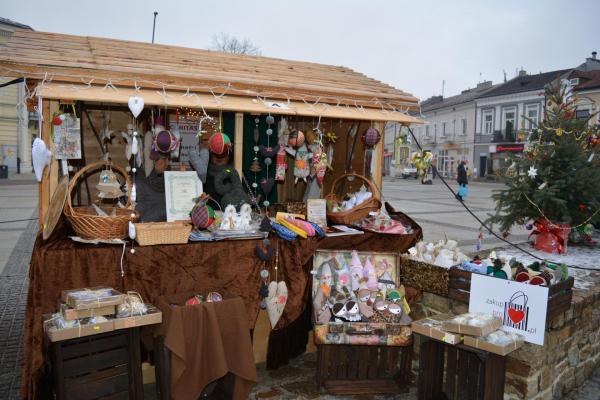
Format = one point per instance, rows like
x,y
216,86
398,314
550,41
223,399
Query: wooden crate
x,y
106,365
559,295
423,276
458,372
355,370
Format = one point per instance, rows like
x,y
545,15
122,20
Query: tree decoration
x,y
558,152
532,172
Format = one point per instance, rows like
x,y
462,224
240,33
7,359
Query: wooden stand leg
x,y
493,380
135,364
163,369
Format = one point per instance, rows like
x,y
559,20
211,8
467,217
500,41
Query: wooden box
x,y
459,372
559,295
106,365
354,369
423,276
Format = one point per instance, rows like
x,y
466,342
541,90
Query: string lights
x,y
325,102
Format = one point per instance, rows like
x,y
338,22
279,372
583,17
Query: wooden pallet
x,y
355,369
458,372
559,295
103,366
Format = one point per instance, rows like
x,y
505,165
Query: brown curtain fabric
x,y
154,271
207,341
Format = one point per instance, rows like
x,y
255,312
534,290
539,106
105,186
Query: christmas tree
x,y
557,178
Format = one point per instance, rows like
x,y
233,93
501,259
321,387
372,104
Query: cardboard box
x,y
70,313
94,297
498,342
432,327
154,316
473,324
55,334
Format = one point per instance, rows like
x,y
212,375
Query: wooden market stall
x,y
96,78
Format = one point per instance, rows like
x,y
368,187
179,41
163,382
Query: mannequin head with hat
x,y
219,145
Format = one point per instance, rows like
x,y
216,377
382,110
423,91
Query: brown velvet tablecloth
x,y
154,271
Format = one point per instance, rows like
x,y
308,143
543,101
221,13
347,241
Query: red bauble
x,y
582,207
56,121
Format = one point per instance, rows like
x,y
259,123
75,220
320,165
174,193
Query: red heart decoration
x,y
516,316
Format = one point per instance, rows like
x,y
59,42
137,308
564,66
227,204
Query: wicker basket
x,y
86,222
360,211
151,233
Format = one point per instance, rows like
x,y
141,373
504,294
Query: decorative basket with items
x,y
101,222
365,200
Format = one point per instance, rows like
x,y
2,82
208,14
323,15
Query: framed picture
x,y
181,188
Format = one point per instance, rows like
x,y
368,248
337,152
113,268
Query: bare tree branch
x,y
231,44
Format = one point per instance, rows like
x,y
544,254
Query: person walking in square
x,y
462,180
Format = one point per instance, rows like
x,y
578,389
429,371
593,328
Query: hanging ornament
x,y
543,185
280,164
266,184
133,193
134,144
40,156
131,230
136,105
296,138
370,138
532,172
255,166
219,144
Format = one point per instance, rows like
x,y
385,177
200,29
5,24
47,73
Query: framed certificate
x,y
181,188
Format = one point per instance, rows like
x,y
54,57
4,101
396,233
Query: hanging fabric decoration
x,y
136,105
268,152
301,162
277,297
280,164
255,166
40,156
370,138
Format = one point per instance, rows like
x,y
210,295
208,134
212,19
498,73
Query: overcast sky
x,y
412,45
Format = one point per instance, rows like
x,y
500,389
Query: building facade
x,y
504,118
15,136
448,132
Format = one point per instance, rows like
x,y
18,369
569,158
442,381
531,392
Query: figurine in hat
x,y
151,202
215,169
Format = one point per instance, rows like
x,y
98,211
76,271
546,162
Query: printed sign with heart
x,y
276,300
136,105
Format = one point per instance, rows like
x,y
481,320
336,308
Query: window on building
x,y
582,114
509,117
488,122
454,126
464,126
443,129
532,112
427,130
435,130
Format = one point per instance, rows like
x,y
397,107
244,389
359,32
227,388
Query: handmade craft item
x,y
370,138
202,214
219,144
296,138
40,156
301,162
280,164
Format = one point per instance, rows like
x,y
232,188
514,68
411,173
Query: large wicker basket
x,y
151,233
360,211
84,219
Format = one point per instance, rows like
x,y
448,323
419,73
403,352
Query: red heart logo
x,y
516,316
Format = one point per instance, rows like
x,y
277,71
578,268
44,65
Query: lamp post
x,y
154,25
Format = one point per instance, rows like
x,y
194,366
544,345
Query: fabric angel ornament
x,y
302,158
370,275
356,270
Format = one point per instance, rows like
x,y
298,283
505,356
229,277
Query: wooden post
x,y
49,180
239,143
378,171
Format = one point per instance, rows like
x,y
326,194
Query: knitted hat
x,y
219,143
371,137
165,142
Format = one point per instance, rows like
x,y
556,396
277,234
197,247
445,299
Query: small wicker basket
x,y
152,233
359,212
86,222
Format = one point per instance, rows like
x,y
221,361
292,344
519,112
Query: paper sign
x,y
521,306
181,188
316,211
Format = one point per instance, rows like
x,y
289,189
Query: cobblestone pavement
x,y
13,298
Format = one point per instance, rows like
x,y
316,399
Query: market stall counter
x,y
153,271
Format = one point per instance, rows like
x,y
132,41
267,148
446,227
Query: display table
x,y
153,271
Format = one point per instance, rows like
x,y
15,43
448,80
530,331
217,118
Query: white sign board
x,y
181,188
188,131
521,306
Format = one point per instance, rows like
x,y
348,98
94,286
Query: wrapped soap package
x,y
474,324
499,342
94,297
69,313
432,327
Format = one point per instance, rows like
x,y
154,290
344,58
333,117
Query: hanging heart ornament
x,y
40,156
136,105
276,301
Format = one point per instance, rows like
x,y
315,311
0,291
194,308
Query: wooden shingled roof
x,y
125,64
